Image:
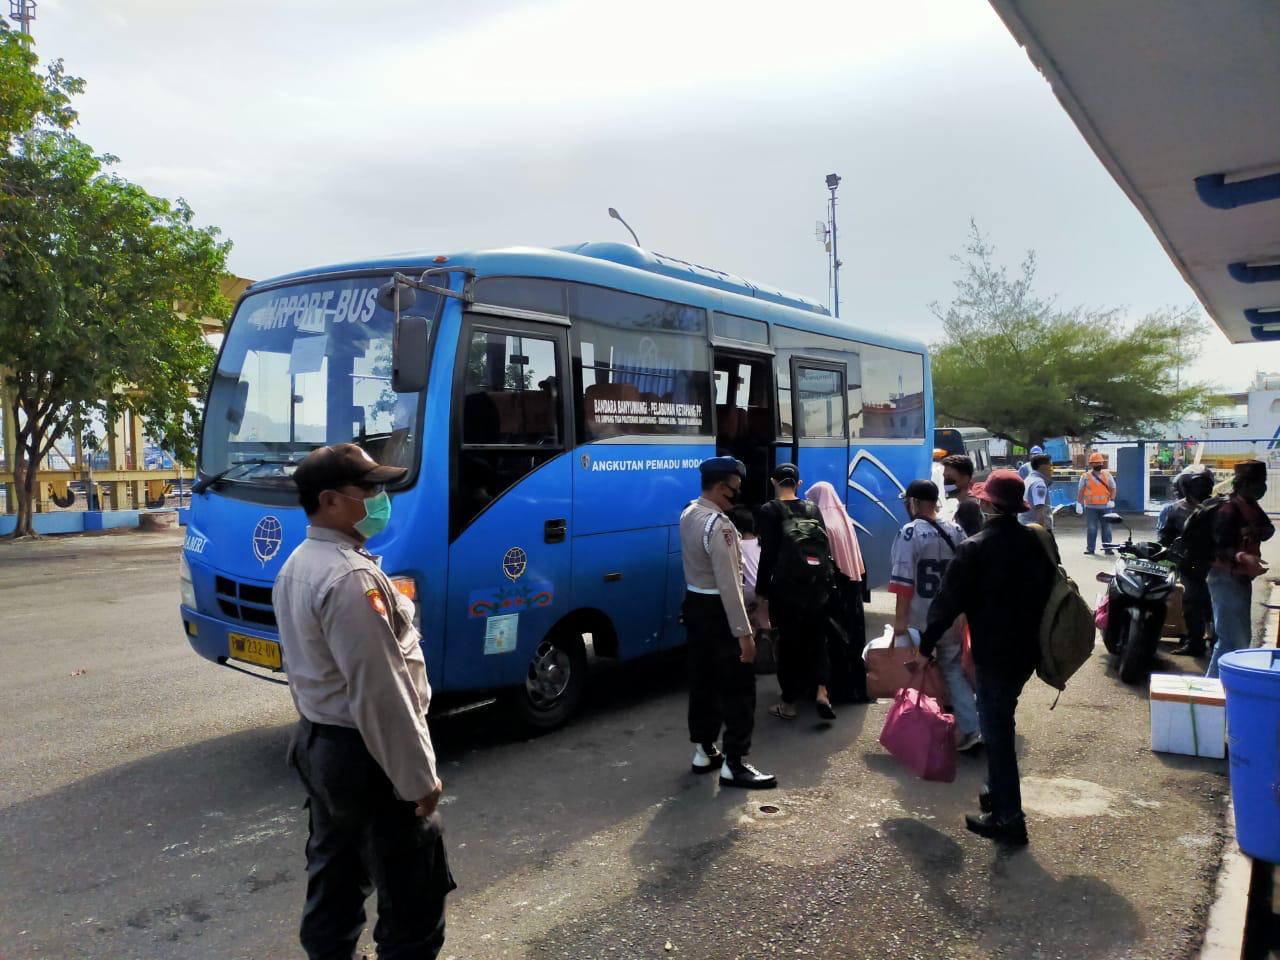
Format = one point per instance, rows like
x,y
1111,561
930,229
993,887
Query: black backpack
x,y
1196,542
804,567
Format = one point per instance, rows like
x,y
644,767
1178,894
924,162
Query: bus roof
x,y
626,267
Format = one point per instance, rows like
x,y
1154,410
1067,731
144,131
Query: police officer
x,y
722,650
361,749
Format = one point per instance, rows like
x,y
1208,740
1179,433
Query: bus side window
x,y
640,366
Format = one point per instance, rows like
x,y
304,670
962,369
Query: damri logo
x,y
267,537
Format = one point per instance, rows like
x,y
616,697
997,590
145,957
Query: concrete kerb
x,y
1224,936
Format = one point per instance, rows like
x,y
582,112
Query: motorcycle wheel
x,y
1135,659
1117,627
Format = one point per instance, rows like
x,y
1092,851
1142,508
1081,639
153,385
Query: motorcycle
x,y
1138,592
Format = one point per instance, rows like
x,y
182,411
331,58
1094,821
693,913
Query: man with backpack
x,y
1001,579
920,556
1194,486
795,579
1237,530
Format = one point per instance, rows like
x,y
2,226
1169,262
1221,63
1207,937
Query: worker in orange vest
x,y
1097,495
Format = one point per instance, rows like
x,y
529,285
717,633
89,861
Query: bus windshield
x,y
302,366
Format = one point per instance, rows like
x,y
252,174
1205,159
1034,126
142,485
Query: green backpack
x,y
804,567
1066,626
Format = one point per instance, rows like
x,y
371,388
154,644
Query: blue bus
x,y
552,406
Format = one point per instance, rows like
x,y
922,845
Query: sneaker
x,y
706,757
1189,650
1088,553
970,741
1012,832
741,774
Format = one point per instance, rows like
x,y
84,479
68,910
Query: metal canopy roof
x,y
1180,100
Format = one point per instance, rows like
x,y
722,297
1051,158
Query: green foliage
x,y
101,288
29,99
1025,369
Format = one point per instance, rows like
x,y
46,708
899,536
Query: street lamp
x,y
833,181
617,216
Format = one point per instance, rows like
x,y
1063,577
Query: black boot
x,y
1189,648
1012,832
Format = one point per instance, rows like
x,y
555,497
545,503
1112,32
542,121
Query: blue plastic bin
x,y
1251,681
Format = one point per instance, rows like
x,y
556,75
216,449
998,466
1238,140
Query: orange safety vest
x,y
1097,490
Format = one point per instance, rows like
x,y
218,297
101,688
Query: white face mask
x,y
950,488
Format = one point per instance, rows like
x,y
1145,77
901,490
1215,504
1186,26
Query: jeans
x,y
1232,615
960,695
363,837
998,692
722,689
1093,518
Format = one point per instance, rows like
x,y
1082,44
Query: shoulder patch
x,y
374,596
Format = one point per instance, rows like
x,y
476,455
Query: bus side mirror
x,y
409,354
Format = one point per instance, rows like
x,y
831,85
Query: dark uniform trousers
x,y
363,837
1197,608
722,689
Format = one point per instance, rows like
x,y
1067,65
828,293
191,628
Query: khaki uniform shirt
x,y
352,655
709,547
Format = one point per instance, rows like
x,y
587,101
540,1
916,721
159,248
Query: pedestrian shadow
x,y
1019,903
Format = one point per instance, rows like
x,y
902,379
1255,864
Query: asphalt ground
x,y
146,811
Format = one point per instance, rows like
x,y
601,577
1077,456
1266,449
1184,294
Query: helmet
x,y
1097,458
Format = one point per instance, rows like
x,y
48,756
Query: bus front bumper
x,y
212,638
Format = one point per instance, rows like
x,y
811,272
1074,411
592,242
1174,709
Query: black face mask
x,y
733,496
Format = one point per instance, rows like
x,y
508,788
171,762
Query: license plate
x,y
1146,566
264,653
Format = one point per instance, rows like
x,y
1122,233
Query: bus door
x,y
509,498
820,448
745,417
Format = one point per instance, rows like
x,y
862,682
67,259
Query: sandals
x,y
778,711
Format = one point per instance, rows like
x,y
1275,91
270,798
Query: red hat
x,y
1004,490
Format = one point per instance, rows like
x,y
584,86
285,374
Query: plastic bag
x,y
920,736
1100,611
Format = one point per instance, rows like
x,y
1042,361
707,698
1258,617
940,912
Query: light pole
x,y
617,216
833,181
22,12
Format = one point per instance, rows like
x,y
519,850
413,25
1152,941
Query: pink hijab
x,y
844,542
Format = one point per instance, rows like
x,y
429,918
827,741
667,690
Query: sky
x,y
313,132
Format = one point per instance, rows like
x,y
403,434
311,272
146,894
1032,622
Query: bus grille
x,y
245,602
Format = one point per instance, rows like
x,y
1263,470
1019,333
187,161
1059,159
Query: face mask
x,y
949,487
377,514
733,496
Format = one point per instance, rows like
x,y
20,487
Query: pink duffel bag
x,y
1100,612
920,736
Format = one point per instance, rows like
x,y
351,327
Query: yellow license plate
x,y
265,653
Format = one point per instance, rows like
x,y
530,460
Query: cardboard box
x,y
1188,715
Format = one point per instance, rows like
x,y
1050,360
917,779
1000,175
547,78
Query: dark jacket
x,y
1000,579
771,516
1239,526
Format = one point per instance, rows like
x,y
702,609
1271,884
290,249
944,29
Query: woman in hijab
x,y
848,634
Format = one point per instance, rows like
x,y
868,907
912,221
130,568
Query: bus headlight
x,y
185,586
408,588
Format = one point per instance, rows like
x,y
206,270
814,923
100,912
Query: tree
x,y
101,288
1021,367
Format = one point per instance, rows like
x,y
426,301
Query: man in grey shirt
x,y
362,748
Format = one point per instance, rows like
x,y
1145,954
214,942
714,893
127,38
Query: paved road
x,y
145,810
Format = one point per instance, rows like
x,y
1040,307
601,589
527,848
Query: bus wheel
x,y
553,685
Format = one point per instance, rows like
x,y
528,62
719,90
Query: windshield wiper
x,y
204,483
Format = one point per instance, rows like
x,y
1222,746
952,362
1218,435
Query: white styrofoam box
x,y
1188,715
